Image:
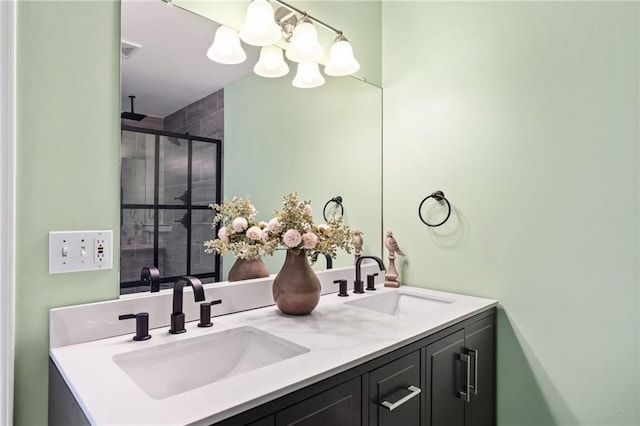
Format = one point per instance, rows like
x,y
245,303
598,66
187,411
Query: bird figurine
x,y
357,242
392,245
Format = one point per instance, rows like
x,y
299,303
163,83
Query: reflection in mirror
x,y
277,139
167,182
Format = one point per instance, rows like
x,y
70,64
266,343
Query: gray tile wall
x,y
204,118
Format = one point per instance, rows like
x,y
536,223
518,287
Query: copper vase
x,y
296,288
247,269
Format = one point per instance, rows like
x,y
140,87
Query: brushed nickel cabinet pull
x,y
466,396
474,353
392,406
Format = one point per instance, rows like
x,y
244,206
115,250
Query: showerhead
x,y
132,115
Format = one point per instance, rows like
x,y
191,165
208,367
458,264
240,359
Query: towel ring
x,y
438,196
338,201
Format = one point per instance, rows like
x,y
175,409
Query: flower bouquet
x,y
296,288
293,228
240,234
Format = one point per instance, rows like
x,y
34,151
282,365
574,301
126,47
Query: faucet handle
x,y
371,285
142,325
343,288
205,313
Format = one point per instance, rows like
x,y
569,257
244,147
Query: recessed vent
x,y
128,48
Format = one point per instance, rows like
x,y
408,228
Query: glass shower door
x,y
168,183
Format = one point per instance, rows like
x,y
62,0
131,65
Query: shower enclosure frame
x,y
188,207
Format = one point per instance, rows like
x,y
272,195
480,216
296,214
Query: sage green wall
x,y
68,123
319,142
526,115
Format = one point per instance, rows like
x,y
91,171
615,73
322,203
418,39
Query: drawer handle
x,y
474,353
466,395
392,406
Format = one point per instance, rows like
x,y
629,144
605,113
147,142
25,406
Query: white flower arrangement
x,y
239,232
291,228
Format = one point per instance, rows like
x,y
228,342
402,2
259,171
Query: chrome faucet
x,y
358,284
314,258
177,316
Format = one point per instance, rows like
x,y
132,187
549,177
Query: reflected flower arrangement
x,y
291,228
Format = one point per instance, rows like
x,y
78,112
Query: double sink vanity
x,y
389,357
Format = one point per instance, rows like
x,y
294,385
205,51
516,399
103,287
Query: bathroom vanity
x,y
423,380
389,357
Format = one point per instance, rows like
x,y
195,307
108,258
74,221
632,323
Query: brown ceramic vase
x,y
296,288
244,269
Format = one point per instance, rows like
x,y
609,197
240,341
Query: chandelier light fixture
x,y
226,48
289,27
304,46
341,60
308,76
259,28
271,63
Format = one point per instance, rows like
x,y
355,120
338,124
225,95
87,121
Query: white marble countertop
x,y
338,337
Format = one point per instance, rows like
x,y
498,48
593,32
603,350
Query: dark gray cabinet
x,y
447,379
338,406
480,344
64,410
265,421
444,381
460,377
395,392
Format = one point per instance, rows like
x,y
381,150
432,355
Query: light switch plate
x,y
73,251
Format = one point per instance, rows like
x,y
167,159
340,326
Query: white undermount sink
x,y
402,304
172,368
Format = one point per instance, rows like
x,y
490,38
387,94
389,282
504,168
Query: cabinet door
x,y
480,345
265,421
445,379
394,392
338,406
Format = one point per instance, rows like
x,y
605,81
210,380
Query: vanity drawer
x,y
395,392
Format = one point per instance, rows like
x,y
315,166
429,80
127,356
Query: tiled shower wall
x,y
204,118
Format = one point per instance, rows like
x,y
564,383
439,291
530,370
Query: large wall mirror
x,y
247,136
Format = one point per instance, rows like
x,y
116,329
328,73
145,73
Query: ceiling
x,y
171,69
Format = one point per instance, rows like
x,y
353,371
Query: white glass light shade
x,y
259,27
341,60
304,45
271,63
308,76
226,48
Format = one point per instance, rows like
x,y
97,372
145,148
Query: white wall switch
x,y
73,251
